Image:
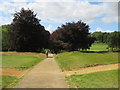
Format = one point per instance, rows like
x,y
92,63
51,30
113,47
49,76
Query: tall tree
x,y
72,36
26,33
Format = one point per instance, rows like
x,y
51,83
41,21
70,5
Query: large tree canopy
x,y
26,33
71,36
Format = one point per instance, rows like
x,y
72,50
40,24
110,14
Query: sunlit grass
x,y
103,79
99,47
20,61
74,60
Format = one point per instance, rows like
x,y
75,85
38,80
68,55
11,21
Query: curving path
x,y
92,69
46,74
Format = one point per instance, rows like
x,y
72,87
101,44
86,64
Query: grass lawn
x,y
20,61
8,81
103,79
74,60
99,47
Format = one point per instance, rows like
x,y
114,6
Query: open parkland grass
x,y
75,60
103,79
69,61
18,61
9,81
98,47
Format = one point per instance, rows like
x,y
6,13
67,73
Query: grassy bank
x,y
98,47
20,61
103,79
74,60
9,81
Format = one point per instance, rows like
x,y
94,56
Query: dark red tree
x,y
26,33
72,36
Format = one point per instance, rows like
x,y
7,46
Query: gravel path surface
x,y
46,74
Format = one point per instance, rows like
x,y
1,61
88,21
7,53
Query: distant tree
x,y
114,41
26,33
98,36
106,37
4,31
71,36
101,37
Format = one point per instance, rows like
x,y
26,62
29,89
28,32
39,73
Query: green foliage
x,y
4,29
114,40
74,60
101,37
8,81
103,79
20,61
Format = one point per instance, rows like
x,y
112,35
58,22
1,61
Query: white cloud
x,y
75,0
54,0
98,30
50,28
111,13
61,11
102,30
19,0
101,0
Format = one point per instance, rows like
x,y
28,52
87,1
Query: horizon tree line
x,y
26,34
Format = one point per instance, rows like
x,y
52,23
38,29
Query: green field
x,y
17,61
8,81
74,60
20,61
98,47
103,79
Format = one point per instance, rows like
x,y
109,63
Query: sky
x,y
100,15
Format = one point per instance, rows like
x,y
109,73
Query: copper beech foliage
x,y
26,33
71,36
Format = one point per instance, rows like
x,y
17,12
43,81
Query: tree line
x,y
26,34
111,39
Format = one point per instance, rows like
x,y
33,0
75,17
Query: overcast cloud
x,y
62,11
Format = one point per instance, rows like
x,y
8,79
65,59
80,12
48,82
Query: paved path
x,y
46,74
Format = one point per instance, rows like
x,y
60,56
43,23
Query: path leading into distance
x,y
46,74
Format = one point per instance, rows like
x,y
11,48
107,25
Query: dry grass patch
x,y
22,53
13,72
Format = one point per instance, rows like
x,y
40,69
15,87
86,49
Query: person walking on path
x,y
46,53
